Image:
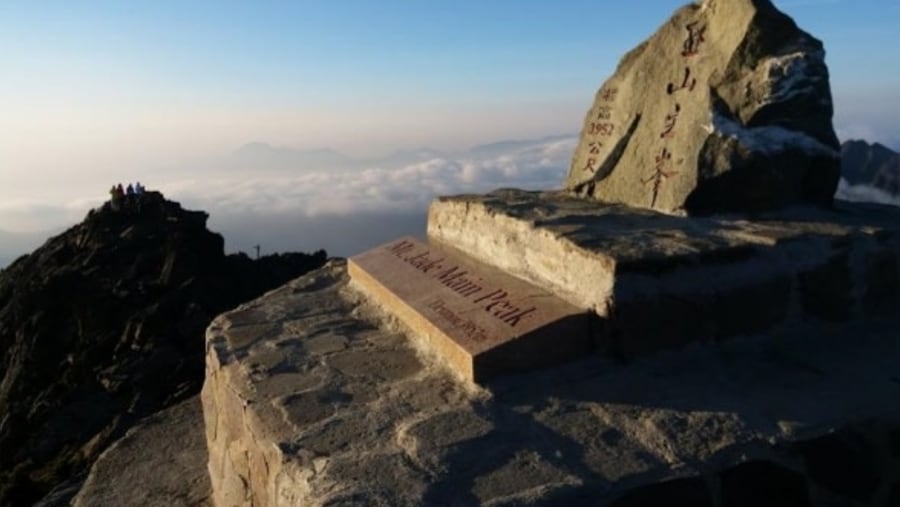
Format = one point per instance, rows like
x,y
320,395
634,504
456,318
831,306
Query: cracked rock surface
x,y
161,461
314,396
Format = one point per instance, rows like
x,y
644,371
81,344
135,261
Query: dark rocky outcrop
x,y
160,461
726,108
873,165
103,325
763,483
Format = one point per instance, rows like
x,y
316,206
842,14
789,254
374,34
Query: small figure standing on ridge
x,y
117,196
129,197
114,198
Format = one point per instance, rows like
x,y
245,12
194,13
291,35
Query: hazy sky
x,y
97,91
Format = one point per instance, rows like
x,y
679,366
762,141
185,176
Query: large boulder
x,y
726,108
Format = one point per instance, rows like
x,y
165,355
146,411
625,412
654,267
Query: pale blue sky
x,y
97,90
288,54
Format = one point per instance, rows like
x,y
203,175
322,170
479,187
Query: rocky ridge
x,y
103,325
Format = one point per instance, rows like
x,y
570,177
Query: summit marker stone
x,y
726,108
483,321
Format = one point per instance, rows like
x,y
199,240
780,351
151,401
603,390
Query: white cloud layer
x,y
291,200
381,188
865,193
294,200
29,216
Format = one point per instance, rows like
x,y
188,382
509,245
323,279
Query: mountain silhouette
x,y
104,324
874,165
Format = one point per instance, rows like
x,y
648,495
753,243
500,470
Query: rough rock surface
x,y
726,108
659,281
871,164
314,397
103,325
161,461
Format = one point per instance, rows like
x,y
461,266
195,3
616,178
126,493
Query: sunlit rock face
x,y
726,108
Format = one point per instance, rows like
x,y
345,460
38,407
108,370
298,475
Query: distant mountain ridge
x,y
873,165
492,149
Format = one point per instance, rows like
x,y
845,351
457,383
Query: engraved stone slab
x,y
483,321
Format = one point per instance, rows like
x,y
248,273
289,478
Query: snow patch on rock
x,y
793,74
769,139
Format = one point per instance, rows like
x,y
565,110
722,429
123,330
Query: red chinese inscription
x,y
696,37
663,166
601,129
671,120
662,171
609,94
687,83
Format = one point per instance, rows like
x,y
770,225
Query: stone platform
x,y
661,280
316,396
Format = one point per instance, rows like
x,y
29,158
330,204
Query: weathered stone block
x,y
340,433
514,479
752,308
641,326
691,491
826,290
385,365
446,430
659,281
844,463
483,321
882,294
726,108
763,483
588,433
895,443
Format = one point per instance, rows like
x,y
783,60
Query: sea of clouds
x,y
291,200
351,207
865,193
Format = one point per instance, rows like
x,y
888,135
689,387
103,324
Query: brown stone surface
x,y
483,321
160,462
300,416
660,281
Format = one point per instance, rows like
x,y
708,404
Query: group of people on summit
x,y
119,195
